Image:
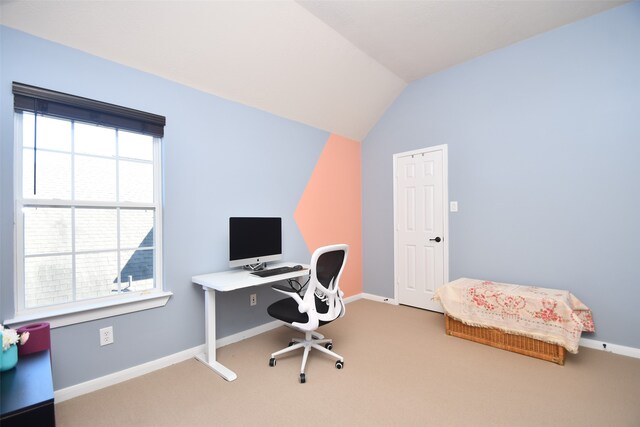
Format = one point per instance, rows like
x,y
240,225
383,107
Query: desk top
x,y
239,278
27,385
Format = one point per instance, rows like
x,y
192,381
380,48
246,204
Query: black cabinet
x,y
26,396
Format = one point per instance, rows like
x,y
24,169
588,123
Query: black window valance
x,y
44,101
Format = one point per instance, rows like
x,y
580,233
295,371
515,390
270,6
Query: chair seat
x,y
287,311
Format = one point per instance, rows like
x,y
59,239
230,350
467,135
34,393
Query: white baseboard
x,y
145,368
610,348
230,339
371,297
124,375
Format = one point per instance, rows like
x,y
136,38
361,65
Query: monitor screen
x,y
254,240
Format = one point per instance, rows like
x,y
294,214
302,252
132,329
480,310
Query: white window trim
x,y
83,311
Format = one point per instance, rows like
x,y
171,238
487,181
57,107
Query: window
x,y
88,202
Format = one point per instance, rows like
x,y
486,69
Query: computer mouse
x,y
297,267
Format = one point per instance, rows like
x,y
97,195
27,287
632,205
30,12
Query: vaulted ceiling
x,y
335,65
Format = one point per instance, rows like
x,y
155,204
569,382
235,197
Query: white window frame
x,y
92,309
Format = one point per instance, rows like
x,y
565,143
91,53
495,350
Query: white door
x,y
420,199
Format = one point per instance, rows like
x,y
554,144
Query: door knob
x,y
437,239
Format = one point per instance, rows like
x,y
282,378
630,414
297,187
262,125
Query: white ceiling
x,y
334,65
416,38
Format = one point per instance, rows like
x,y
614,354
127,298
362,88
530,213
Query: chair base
x,y
311,340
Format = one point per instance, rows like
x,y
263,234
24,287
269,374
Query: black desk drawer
x,y
26,395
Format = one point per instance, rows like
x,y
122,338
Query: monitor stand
x,y
255,267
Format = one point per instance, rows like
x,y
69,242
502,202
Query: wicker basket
x,y
497,338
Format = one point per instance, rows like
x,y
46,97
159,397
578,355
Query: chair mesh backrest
x,y
327,269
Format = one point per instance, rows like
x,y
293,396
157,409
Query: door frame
x,y
445,213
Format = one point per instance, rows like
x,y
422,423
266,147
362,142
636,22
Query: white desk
x,y
225,281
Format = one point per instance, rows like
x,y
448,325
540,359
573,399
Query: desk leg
x,y
209,358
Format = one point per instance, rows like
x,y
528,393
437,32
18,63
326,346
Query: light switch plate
x,y
453,206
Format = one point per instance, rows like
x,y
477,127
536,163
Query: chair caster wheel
x,y
339,364
291,343
272,361
302,379
328,346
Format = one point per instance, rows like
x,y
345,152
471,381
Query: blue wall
x,y
221,159
544,151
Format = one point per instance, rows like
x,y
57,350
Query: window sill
x,y
89,312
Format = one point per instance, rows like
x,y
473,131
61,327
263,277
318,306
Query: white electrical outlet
x,y
253,299
106,335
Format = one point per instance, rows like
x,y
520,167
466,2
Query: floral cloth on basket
x,y
549,315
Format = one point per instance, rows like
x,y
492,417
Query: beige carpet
x,y
400,370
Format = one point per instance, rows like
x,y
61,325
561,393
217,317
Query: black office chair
x,y
320,304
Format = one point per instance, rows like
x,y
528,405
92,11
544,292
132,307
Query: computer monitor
x,y
254,241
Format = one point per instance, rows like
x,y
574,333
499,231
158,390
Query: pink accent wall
x,y
330,209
